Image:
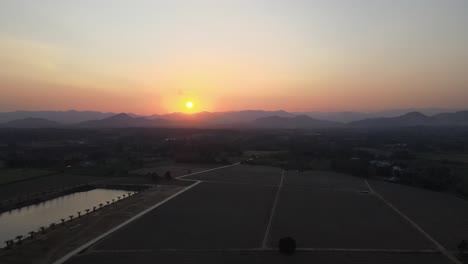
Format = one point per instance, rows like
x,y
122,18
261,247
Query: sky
x,y
153,56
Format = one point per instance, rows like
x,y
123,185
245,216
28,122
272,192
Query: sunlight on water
x,y
31,218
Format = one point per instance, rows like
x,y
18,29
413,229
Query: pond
x,y
30,218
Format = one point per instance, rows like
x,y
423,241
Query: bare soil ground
x,y
442,215
255,257
175,169
13,175
55,243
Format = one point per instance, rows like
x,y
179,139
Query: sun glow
x,y
189,105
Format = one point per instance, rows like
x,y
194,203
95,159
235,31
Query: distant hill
x,y
247,118
294,122
416,119
453,119
31,123
124,120
64,117
222,118
409,119
349,116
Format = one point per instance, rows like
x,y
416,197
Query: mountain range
x,y
416,119
242,119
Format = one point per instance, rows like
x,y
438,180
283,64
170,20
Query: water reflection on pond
x,y
31,218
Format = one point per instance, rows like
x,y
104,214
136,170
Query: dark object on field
x,y
154,177
462,247
287,245
168,175
9,244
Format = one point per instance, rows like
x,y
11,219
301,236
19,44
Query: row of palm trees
x,y
19,239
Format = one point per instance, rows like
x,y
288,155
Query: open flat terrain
x,y
55,181
258,175
328,210
209,216
14,175
341,219
175,169
237,215
255,257
442,215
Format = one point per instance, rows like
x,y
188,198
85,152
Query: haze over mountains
x,y
64,117
243,119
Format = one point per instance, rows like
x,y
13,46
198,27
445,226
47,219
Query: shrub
x,y
168,175
287,245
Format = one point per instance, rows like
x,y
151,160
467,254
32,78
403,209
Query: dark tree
x,y
462,247
287,245
168,175
154,177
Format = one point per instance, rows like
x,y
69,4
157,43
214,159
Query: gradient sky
x,y
152,56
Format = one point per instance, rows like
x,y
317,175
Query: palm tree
x,y
123,195
52,225
100,205
19,239
113,200
168,175
107,202
31,234
94,208
462,248
9,243
87,211
63,221
71,217
79,213
118,197
42,229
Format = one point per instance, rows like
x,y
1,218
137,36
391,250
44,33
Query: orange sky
x,y
153,56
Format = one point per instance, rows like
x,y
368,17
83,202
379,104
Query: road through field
x,y
272,213
326,210
238,213
438,245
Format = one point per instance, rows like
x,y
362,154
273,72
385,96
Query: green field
x,y
175,169
262,153
11,175
441,156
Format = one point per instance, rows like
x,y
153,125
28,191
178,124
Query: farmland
x,y
175,169
13,175
442,215
56,181
238,213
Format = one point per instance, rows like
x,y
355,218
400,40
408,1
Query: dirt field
x,y
323,180
12,175
255,257
259,175
442,215
48,247
209,216
175,169
327,218
237,215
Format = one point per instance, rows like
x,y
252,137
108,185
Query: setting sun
x,y
189,105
